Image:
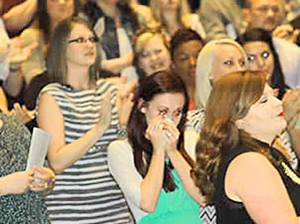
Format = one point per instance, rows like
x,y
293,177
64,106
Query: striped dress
x,y
86,192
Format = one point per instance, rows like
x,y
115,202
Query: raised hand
x,y
291,105
22,113
286,31
105,112
124,101
18,53
155,133
171,134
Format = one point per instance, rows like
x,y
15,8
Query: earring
x,y
243,125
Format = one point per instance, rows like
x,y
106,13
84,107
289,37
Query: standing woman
x,y
239,171
151,166
80,113
115,22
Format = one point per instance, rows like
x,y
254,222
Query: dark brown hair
x,y
158,83
44,18
277,77
182,36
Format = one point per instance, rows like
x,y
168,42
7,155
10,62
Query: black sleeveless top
x,y
232,212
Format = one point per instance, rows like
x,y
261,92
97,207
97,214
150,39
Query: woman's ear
x,y
241,124
142,106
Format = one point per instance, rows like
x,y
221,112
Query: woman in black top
x,y
239,171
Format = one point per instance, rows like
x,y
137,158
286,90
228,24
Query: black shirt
x,y
232,212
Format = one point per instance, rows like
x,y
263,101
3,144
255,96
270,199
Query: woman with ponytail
x,y
151,166
239,171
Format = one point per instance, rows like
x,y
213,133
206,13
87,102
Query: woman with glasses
x,y
80,113
49,14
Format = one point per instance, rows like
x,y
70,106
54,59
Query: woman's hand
x,y
44,179
155,134
105,112
22,113
16,183
124,100
171,134
291,106
17,53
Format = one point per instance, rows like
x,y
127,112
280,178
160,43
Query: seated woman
x,y
21,191
262,56
80,112
151,52
246,179
115,23
151,165
186,44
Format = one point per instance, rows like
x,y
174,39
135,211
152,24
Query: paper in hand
x,y
38,148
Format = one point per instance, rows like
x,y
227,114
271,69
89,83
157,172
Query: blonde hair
x,y
182,11
141,39
204,67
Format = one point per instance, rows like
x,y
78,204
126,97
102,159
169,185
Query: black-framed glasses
x,y
84,40
56,1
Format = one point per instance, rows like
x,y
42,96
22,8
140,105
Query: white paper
x,y
38,148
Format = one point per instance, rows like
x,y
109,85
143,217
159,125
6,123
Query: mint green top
x,y
175,207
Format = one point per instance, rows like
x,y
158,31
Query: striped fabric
x,y
86,192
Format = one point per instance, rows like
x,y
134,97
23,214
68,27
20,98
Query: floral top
x,y
14,147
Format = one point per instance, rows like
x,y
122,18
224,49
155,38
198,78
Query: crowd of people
x,y
158,113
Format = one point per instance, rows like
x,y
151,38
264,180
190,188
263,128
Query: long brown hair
x,y
230,100
158,83
56,58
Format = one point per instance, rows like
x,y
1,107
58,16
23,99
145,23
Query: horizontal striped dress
x,y
86,192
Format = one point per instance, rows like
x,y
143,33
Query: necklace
x,y
290,173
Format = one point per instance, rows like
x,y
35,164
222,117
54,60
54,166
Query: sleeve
x,y
195,120
211,18
121,166
190,141
192,21
144,14
36,63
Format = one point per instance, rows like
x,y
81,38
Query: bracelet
x,y
122,131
